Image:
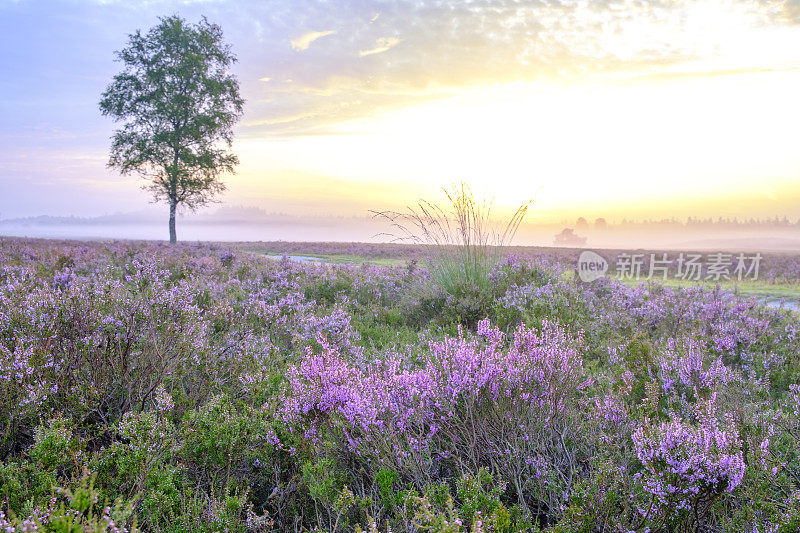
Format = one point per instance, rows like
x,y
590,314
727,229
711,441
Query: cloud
x,y
427,49
265,79
787,10
448,47
383,44
304,41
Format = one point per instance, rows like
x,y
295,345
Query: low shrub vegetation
x,y
209,388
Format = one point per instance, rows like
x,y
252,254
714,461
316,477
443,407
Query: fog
x,y
366,229
311,232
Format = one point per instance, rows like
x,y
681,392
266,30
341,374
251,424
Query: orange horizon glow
x,y
710,134
596,147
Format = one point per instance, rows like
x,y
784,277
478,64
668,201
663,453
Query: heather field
x,y
216,387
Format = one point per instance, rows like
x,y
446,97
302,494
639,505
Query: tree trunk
x,y
173,237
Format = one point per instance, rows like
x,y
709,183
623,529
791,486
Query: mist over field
x,y
237,224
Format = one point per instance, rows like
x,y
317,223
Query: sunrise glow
x,y
621,109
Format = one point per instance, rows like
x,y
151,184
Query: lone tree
x,y
178,102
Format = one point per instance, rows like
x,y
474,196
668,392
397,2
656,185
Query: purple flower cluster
x,y
469,396
77,341
688,374
686,465
335,327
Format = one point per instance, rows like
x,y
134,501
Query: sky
x,y
612,108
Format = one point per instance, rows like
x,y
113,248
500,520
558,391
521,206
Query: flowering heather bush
x,y
688,374
200,387
473,401
97,347
686,465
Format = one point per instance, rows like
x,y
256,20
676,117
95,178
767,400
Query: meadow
x,y
211,387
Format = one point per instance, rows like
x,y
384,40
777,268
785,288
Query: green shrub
x,y
76,509
219,441
329,291
138,464
230,511
328,492
435,511
55,447
54,457
391,494
23,487
479,501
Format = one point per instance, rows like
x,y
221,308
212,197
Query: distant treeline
x,y
695,222
239,215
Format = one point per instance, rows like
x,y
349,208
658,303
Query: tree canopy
x,y
178,102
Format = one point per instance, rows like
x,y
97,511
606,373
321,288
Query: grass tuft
x,y
462,239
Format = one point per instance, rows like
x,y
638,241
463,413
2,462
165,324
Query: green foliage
x,y
437,514
321,479
468,305
54,457
138,465
24,487
211,512
55,447
480,501
161,495
63,261
388,482
384,330
425,305
77,510
219,439
329,291
476,508
638,356
325,486
596,502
